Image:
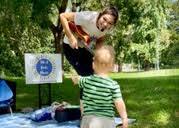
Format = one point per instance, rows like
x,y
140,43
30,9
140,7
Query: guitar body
x,y
77,29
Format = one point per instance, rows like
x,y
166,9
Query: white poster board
x,y
43,68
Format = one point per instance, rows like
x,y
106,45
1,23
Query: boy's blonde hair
x,y
104,57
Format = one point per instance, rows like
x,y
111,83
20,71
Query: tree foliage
x,y
24,28
147,30
170,56
141,34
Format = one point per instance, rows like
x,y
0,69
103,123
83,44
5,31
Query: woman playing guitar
x,y
95,25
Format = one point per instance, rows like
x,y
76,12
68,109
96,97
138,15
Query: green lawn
x,y
151,97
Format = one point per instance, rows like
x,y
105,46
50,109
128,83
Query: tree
x,y
26,27
141,35
143,27
170,56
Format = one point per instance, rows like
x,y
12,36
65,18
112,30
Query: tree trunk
x,y
58,30
119,67
59,34
146,65
139,65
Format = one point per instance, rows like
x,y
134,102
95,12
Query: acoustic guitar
x,y
81,34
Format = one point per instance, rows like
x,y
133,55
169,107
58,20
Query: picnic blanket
x,y
19,120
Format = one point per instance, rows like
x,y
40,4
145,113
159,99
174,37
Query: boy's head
x,y
103,60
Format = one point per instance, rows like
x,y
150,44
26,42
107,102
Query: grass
x,y
151,97
153,101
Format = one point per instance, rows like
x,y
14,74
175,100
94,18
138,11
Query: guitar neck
x,y
87,48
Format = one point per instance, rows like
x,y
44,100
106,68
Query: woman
x,y
96,25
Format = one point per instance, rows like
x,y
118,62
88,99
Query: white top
x,y
87,20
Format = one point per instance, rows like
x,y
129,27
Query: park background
x,y
146,41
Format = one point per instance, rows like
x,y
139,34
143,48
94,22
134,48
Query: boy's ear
x,y
111,65
93,65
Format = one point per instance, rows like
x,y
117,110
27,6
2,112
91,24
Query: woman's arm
x,y
64,18
100,42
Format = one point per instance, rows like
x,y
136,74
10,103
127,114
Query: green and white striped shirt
x,y
99,94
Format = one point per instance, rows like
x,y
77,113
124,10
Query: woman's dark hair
x,y
111,11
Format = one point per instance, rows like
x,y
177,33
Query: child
x,y
100,93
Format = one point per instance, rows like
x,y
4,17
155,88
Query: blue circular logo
x,y
44,67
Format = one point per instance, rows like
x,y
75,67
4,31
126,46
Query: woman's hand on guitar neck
x,y
73,42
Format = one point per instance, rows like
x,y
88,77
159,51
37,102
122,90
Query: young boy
x,y
100,93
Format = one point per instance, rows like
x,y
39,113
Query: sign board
x,y
43,68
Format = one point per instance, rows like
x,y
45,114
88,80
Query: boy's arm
x,y
121,108
75,79
64,18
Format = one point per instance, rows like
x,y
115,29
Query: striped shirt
x,y
99,94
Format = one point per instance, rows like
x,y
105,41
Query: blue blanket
x,y
22,121
19,120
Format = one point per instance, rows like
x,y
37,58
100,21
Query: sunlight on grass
x,y
22,95
162,117
152,73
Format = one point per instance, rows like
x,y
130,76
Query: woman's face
x,y
105,22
